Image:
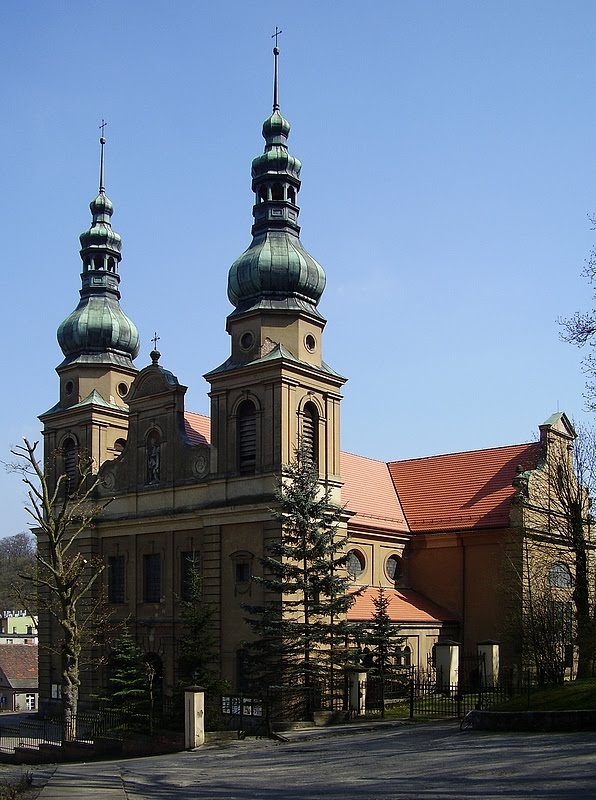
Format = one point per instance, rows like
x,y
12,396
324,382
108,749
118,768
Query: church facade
x,y
185,488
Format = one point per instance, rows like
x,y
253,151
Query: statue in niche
x,y
153,446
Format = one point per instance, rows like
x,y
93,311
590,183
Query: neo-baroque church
x,y
190,488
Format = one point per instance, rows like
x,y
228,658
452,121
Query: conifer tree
x,y
381,640
302,644
197,663
131,678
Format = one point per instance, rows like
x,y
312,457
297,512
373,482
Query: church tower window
x,y
247,437
310,431
69,450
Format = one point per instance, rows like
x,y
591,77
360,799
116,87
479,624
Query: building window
x,y
355,564
151,578
247,437
393,569
69,452
189,569
116,579
242,571
30,702
310,431
559,576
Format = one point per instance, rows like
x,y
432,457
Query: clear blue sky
x,y
449,164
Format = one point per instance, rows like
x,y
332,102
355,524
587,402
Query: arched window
x,y
69,453
393,569
355,564
310,431
111,265
247,437
559,576
277,191
119,445
263,194
153,456
291,194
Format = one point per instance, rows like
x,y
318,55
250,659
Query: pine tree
x,y
197,663
302,629
381,640
130,679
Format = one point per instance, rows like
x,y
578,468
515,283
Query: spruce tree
x,y
129,681
381,640
302,644
197,662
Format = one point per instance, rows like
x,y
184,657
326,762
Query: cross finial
x,y
102,142
275,35
275,75
155,340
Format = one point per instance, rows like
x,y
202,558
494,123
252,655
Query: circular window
x,y
310,343
393,568
69,388
247,340
122,389
355,564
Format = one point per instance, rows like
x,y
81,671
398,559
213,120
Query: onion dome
x,y
276,271
98,330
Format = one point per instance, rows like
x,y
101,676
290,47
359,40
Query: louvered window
x,y
247,437
310,431
69,449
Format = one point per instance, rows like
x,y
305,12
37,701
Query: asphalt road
x,y
426,761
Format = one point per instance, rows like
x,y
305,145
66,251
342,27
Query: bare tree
x,y
580,328
559,548
63,510
17,560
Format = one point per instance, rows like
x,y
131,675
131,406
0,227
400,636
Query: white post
x,y
489,653
447,664
194,717
357,684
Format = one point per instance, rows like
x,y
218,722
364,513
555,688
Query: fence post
x,y
411,698
194,717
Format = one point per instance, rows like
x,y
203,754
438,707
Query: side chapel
x,y
190,487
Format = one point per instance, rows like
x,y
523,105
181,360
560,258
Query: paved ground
x,y
432,762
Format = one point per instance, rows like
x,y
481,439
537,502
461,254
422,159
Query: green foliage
x,y
381,637
301,628
130,681
198,645
17,559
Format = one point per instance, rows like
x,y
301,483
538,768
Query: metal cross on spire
x,y
102,142
155,340
275,78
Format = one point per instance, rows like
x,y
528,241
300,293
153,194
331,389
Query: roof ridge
x,y
464,452
367,458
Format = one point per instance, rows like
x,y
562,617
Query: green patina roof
x,y
277,353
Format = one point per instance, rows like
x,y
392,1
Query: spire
x,y
276,271
97,330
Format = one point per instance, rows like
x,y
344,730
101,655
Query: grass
x,y
572,696
11,790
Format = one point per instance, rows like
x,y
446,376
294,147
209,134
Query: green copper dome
x,y
98,330
276,271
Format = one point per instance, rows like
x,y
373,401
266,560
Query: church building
x,y
436,532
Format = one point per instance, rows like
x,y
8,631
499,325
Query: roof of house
x,y
369,493
460,491
404,606
18,662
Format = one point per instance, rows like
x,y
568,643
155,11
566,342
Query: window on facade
x,y
393,569
247,437
355,564
30,702
403,656
69,451
277,191
189,568
291,194
151,578
116,584
559,576
310,431
242,571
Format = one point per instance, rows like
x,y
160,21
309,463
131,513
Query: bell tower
x,y
275,391
99,343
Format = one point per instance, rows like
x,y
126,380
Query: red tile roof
x,y
18,662
405,605
197,428
369,493
461,491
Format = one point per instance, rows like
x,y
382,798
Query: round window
x,y
69,388
393,568
355,564
247,340
310,343
122,389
